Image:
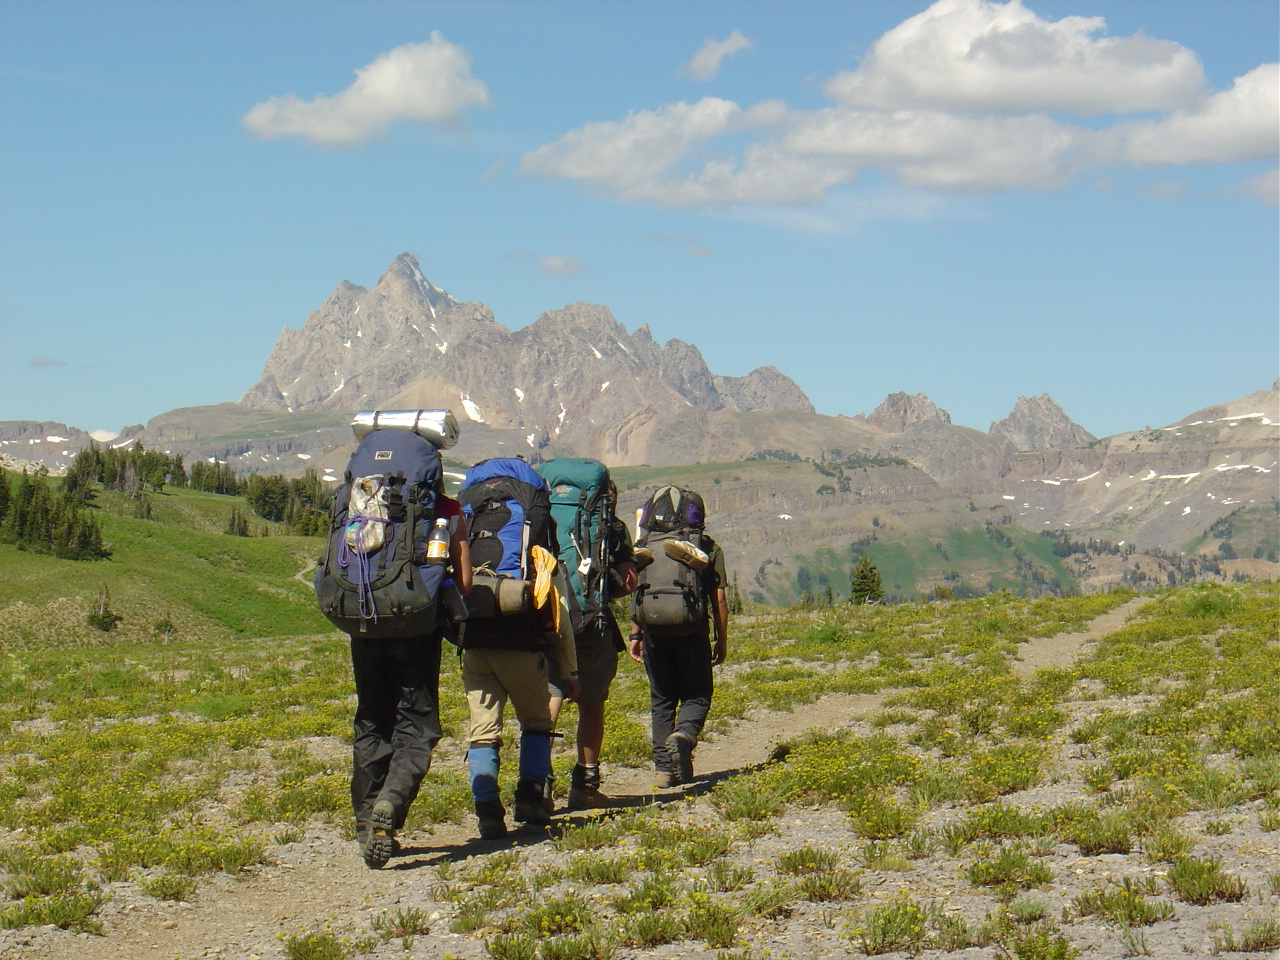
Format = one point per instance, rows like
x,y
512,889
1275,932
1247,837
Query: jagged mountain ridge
x,y
573,379
405,343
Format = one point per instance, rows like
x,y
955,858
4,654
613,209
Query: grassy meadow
x,y
174,575
159,759
212,725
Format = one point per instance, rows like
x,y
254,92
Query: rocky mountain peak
x,y
763,389
404,280
406,343
1037,423
901,410
595,324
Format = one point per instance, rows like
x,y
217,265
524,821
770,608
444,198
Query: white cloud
x,y
658,156
991,57
970,96
1234,125
711,55
1265,188
40,362
637,149
560,265
943,151
427,82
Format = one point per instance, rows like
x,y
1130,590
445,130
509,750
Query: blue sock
x,y
483,764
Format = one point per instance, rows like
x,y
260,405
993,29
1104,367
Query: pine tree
x,y
38,521
864,583
101,616
82,472
268,496
238,525
736,605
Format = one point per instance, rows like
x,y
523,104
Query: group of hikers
x,y
519,571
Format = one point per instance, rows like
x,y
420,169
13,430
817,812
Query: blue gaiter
x,y
535,756
483,764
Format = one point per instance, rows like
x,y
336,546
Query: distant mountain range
x,y
573,378
575,382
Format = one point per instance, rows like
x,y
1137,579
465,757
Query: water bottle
x,y
455,604
438,543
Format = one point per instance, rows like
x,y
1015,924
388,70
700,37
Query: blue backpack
x,y
508,512
373,580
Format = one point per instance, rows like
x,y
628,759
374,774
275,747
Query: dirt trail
x,y
1060,651
322,876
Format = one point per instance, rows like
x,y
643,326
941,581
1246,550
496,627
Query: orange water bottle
x,y
438,543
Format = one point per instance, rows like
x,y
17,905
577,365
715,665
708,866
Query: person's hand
x,y
719,652
628,578
572,688
635,647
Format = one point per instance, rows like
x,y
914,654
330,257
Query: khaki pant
x,y
490,677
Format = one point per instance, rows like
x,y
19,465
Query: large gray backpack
x,y
671,597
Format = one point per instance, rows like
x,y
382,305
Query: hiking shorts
x,y
597,666
491,677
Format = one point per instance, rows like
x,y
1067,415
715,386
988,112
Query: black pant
x,y
680,686
397,722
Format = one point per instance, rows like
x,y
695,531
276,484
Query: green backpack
x,y
582,505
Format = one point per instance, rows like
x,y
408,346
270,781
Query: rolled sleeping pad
x,y
438,427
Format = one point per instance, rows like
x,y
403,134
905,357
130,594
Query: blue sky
x,y
967,199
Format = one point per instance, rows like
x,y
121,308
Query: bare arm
x,y
720,603
460,556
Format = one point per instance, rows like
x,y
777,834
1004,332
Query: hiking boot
x,y
682,551
376,855
529,806
665,779
644,557
380,844
491,819
584,788
549,795
680,750
587,798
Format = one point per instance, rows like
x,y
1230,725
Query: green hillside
x,y
174,575
1252,530
968,561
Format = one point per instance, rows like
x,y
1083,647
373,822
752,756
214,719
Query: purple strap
x,y
362,579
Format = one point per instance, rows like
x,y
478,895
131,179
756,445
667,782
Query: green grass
x,y
116,754
175,575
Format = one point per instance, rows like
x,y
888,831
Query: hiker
x,y
681,597
380,580
518,609
595,548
